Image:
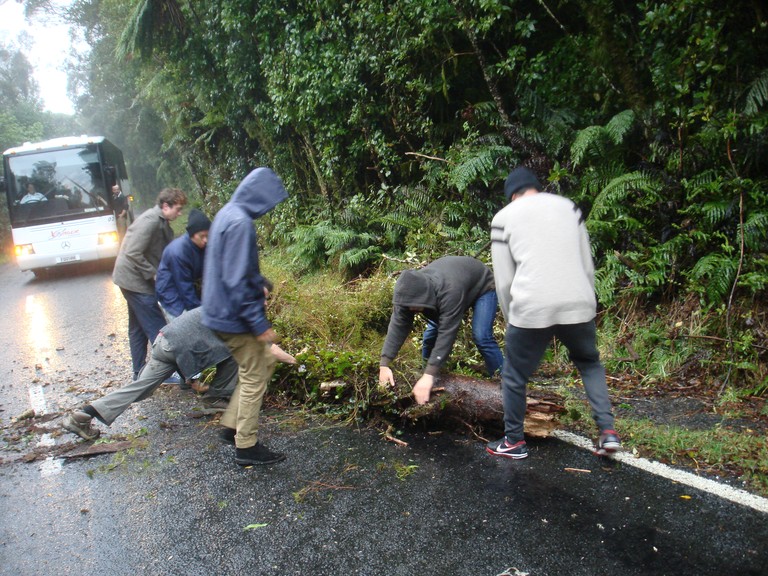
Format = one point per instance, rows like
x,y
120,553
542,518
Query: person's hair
x,y
171,196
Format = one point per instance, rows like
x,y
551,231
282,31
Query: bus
x,y
59,195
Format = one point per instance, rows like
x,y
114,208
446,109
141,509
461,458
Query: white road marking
x,y
50,467
37,400
704,484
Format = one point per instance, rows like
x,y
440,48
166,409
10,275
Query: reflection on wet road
x,y
56,330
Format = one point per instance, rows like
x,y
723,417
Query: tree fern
x,y
757,95
614,197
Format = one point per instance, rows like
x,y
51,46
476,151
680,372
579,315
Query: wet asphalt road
x,y
344,502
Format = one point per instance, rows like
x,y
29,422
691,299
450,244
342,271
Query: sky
x,y
48,52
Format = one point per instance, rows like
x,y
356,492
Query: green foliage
x,y
710,449
316,246
393,125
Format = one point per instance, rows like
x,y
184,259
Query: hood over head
x,y
259,192
414,290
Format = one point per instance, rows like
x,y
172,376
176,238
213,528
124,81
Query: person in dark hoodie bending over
x,y
234,308
443,292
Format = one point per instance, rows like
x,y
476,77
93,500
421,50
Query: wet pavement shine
x,y
348,502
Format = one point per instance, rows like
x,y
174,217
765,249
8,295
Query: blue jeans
x,y
483,317
144,322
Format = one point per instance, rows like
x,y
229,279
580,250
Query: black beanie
x,y
197,222
520,179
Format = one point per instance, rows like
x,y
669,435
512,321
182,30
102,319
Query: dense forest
x,y
393,124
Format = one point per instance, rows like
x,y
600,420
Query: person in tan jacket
x,y
136,268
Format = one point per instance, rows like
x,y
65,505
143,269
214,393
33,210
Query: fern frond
x,y
615,193
586,139
756,230
619,125
713,275
477,164
757,96
715,212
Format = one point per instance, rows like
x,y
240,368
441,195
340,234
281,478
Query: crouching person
x,y
183,345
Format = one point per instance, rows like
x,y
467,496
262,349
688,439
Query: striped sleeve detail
x,y
497,234
580,213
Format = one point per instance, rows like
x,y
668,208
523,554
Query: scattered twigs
x,y
390,438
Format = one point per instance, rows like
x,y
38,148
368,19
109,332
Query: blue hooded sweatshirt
x,y
233,287
180,270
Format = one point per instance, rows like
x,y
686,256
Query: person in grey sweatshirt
x,y
443,292
544,273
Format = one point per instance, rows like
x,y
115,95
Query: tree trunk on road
x,y
478,402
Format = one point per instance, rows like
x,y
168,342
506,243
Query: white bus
x,y
59,196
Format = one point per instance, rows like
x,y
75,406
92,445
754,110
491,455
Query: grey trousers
x,y
161,364
524,348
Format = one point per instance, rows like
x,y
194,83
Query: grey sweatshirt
x,y
445,290
542,262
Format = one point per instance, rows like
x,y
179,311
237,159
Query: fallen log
x,y
477,401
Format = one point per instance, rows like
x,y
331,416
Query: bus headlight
x,y
24,249
108,239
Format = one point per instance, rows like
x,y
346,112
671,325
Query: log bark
x,y
478,402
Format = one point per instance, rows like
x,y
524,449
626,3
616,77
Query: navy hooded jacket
x,y
180,270
233,287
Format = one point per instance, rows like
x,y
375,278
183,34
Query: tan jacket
x,y
141,250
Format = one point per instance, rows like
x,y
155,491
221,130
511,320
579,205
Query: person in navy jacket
x,y
180,272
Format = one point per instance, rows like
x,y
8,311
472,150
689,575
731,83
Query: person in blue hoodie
x,y
234,295
180,272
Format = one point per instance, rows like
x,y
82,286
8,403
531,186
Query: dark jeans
x,y
144,322
483,316
525,347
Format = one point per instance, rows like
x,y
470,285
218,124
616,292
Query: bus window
x,y
70,179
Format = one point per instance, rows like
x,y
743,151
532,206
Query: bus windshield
x,y
54,185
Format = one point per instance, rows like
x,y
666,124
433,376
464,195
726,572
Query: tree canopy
x,y
394,123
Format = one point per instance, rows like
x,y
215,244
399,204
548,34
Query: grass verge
x,y
716,452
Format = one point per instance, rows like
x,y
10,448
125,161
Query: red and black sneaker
x,y
502,447
608,443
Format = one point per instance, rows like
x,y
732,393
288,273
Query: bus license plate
x,y
65,259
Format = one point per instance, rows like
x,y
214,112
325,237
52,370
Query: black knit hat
x,y
520,179
197,222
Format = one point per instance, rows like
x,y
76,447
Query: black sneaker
x,y
227,435
608,443
502,447
257,454
79,423
215,404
